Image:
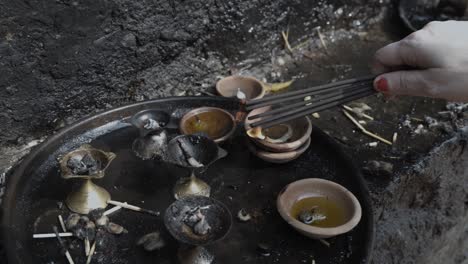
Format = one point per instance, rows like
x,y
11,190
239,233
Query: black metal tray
x,y
240,181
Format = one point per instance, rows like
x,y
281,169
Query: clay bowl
x,y
213,122
251,87
217,215
319,187
278,157
301,131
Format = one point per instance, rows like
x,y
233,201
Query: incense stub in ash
x,y
151,124
189,158
196,220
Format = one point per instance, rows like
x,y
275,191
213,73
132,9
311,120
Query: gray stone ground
x,y
62,60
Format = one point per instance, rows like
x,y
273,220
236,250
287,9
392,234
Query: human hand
x,y
438,58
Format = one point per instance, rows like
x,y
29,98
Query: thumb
x,y
405,83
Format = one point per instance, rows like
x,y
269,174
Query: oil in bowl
x,y
215,123
319,211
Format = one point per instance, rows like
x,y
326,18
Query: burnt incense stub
x,y
86,163
197,220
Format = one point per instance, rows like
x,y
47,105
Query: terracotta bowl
x,y
251,87
275,157
319,187
301,131
215,123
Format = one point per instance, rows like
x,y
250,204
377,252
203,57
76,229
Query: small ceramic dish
x,y
251,87
301,131
314,187
278,157
216,123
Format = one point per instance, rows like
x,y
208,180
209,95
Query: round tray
x,y
240,181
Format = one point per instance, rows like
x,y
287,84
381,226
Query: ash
x,y
92,226
191,161
196,220
83,165
153,146
151,124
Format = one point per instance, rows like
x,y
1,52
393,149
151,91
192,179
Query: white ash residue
x,y
151,124
195,219
420,130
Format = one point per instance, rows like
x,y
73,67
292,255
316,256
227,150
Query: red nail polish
x,y
382,85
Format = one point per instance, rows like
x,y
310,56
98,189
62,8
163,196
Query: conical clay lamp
x,y
191,186
88,196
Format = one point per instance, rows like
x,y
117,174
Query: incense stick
x,y
52,235
133,207
331,86
62,224
86,246
358,113
307,110
62,245
365,131
112,210
310,101
91,253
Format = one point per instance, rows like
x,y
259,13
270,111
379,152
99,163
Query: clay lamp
x,y
195,153
151,146
152,141
278,157
86,164
244,88
286,137
215,123
335,209
196,221
150,120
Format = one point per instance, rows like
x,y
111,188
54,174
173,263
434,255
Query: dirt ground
x,y
62,60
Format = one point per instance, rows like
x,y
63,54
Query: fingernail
x,y
382,85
